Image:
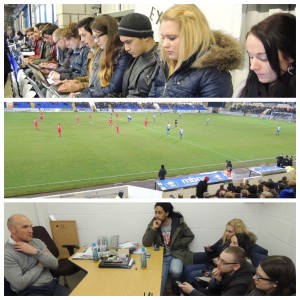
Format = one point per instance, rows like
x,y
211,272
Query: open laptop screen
x,y
39,75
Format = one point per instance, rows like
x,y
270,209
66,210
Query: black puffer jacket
x,y
202,75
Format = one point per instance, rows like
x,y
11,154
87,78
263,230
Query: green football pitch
x,y
92,154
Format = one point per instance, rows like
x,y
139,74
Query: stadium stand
x,y
22,104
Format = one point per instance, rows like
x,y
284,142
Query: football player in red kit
x,y
146,122
36,125
59,129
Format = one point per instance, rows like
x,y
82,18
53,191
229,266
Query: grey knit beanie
x,y
135,25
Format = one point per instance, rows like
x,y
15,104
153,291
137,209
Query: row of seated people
x,y
265,189
228,265
100,58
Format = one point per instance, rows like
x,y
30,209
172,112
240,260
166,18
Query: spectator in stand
x,y
136,34
61,49
266,194
253,191
193,65
41,48
219,190
113,59
281,184
222,194
271,47
275,276
82,82
289,191
47,33
75,64
244,193
269,186
202,187
48,48
29,35
230,194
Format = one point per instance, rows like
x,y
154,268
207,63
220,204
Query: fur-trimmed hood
x,y
225,55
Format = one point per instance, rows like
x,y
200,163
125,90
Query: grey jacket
x,y
181,237
75,64
22,270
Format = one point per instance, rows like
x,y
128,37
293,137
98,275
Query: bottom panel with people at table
x,y
235,265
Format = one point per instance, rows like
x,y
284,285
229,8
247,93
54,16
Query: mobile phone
x,y
178,282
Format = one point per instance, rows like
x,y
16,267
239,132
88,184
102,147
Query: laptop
x,y
47,83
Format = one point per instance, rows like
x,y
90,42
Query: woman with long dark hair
x,y
113,59
271,47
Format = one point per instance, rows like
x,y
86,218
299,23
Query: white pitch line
x,y
125,175
197,146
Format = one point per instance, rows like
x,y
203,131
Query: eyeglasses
x,y
262,278
99,36
222,262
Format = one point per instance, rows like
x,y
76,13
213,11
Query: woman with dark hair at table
x,y
275,276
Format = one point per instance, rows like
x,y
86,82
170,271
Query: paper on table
x,y
127,245
87,254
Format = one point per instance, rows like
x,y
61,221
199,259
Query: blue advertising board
x,y
191,180
267,170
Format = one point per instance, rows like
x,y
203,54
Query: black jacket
x,y
201,188
145,77
162,173
235,285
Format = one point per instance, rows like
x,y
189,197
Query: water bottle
x,y
143,258
95,252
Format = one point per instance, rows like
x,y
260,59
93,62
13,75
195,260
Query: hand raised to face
x,y
156,224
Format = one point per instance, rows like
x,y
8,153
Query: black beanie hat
x,y
135,25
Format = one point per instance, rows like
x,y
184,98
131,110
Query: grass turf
x,y
93,154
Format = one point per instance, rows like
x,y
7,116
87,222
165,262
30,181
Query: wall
x,y
274,223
